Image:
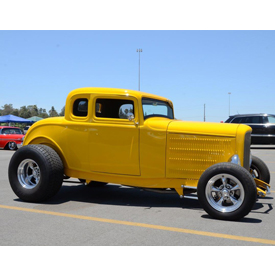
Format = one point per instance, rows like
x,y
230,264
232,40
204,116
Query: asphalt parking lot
x,y
114,215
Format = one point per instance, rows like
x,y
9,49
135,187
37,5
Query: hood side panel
x,y
189,155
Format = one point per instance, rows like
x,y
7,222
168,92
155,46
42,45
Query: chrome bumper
x,y
19,145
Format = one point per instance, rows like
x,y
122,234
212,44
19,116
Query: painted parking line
x,y
144,225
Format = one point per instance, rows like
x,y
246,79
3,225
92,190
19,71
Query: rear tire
x,y
259,170
35,173
227,191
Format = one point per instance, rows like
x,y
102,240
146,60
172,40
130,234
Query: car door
x,y
113,138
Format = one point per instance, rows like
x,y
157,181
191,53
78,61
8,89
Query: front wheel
x,y
35,173
11,146
227,191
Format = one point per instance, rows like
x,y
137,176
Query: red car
x,y
11,138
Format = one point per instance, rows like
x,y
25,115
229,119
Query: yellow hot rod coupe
x,y
132,138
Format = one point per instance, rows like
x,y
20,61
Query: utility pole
x,y
204,114
229,102
139,51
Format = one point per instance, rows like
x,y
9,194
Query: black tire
x,y
222,184
93,183
35,173
259,170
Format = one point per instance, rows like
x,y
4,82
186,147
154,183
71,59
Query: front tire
x,y
11,146
35,173
227,191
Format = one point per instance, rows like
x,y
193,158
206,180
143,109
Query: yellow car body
x,y
132,138
153,153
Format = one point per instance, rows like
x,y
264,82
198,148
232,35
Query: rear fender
x,y
50,143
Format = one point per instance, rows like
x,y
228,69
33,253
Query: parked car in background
x,y
263,126
26,129
11,138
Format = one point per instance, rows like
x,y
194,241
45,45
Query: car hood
x,y
204,128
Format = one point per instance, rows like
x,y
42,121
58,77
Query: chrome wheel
x,y
12,145
28,173
225,193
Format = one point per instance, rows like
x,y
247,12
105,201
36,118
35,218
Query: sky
x,y
192,68
213,57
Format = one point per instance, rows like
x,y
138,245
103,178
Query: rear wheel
x,y
259,170
35,173
227,191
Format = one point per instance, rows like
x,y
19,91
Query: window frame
x,y
159,114
74,111
115,120
71,115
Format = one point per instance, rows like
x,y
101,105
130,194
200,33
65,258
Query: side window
x,y
80,107
114,108
237,120
253,119
271,119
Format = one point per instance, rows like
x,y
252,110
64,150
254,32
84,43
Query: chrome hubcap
x,y
12,145
28,173
224,193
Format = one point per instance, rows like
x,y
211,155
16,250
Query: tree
x,y
53,112
33,110
15,112
24,112
62,113
7,109
42,113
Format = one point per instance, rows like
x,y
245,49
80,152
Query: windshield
x,y
156,108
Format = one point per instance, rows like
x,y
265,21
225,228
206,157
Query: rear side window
x,y
11,131
253,119
248,119
114,108
80,107
271,119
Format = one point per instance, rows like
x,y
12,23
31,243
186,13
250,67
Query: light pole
x,y
229,102
139,51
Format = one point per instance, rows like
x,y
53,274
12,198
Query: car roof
x,y
117,91
260,114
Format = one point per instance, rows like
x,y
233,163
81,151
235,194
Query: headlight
x,y
235,159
